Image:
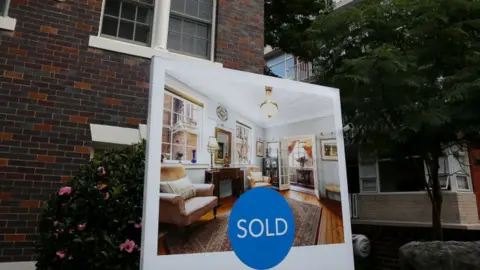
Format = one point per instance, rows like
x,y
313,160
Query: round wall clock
x,y
222,113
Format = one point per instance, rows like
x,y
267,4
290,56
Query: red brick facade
x,y
53,85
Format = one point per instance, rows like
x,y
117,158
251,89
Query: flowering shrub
x,y
94,221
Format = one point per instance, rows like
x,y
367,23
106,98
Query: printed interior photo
x,y
218,144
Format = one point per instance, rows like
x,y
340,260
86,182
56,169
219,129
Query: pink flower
x,y
65,191
70,230
101,171
60,230
60,254
138,225
128,246
82,227
55,223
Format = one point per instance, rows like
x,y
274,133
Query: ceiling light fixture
x,y
268,107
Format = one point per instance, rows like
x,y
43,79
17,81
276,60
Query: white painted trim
x,y
213,31
300,119
415,224
18,266
114,135
7,23
114,45
186,165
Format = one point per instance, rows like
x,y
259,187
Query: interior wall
x,y
327,170
210,121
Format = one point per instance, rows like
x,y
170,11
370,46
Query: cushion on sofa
x,y
182,187
256,176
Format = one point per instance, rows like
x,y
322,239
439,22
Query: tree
x,y
286,22
408,73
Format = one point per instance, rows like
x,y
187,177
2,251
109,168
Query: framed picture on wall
x,y
260,149
329,150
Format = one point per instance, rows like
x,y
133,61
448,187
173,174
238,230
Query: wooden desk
x,y
217,175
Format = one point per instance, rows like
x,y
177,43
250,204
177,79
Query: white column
x,y
160,24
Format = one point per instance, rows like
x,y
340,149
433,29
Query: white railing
x,y
302,71
353,205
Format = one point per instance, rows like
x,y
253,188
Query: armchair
x,y
256,179
176,210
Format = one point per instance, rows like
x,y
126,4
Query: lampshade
x,y
269,108
213,144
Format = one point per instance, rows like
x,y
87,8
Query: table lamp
x,y
212,147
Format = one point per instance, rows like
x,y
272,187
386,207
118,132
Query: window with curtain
x,y
181,127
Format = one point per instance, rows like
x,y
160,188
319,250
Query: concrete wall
x,y
457,208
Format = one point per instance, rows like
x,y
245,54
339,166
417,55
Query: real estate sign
x,y
243,171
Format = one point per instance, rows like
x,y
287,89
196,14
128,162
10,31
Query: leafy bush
x,y
94,222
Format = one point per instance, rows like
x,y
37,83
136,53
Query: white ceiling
x,y
243,92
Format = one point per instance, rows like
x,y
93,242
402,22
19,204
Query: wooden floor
x,y
331,225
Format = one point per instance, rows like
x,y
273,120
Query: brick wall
x,y
240,34
52,86
457,208
386,240
474,155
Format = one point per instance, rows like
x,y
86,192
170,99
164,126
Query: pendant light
x,y
268,107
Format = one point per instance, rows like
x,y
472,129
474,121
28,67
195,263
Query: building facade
x,y
69,65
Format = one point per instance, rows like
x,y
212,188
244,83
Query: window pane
x,y
178,106
191,139
166,135
178,152
128,10
112,7
205,10
166,151
144,15
368,170
175,25
179,138
173,41
462,182
178,5
401,175
189,28
142,33
109,26
191,7
167,118
190,153
167,102
188,44
126,30
201,47
369,184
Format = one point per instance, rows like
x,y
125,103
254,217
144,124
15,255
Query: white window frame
x,y
250,143
158,44
198,131
451,180
7,23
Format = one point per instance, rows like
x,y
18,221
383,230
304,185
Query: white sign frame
x,y
310,257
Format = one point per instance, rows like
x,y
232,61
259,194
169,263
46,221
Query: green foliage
x,y
408,71
286,22
84,229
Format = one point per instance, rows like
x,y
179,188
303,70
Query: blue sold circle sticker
x,y
261,228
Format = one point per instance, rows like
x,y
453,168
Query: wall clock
x,y
222,113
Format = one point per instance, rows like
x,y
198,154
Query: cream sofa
x,y
178,211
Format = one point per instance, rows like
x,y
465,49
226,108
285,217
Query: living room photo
x,y
224,137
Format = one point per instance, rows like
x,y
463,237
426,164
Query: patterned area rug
x,y
213,235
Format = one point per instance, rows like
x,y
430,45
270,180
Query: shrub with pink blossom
x,y
94,221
